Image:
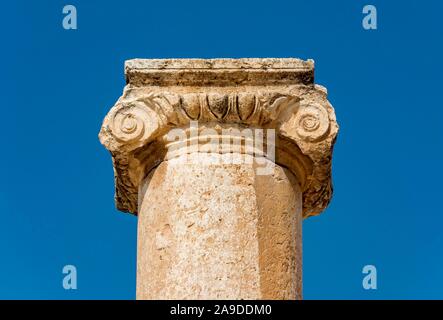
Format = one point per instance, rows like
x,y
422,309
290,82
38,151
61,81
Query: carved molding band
x,y
133,122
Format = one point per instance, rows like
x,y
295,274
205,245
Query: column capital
x,y
280,94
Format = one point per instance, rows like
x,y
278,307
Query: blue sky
x,y
56,190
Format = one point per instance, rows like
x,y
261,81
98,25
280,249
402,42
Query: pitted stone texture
x,y
219,231
203,72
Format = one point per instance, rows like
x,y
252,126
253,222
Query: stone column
x,y
221,160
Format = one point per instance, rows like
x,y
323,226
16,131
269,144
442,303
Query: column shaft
x,y
219,231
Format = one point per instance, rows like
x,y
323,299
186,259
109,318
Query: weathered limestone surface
x,y
211,228
227,232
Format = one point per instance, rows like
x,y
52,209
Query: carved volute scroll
x,y
161,95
